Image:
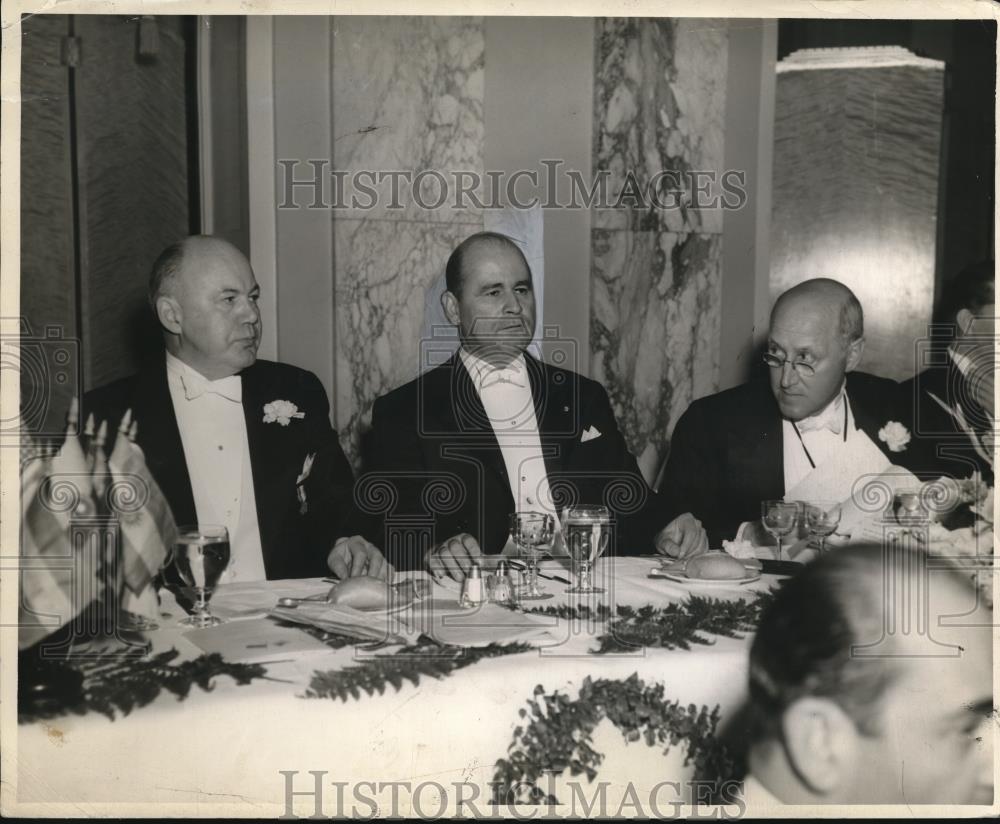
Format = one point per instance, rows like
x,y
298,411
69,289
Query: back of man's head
x,y
831,674
973,288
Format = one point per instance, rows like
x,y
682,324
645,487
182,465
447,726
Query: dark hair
x,y
972,288
805,644
165,268
453,269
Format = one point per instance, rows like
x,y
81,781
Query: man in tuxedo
x,y
955,420
755,442
493,431
848,711
234,440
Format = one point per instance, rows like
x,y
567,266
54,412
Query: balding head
x,y
816,337
204,294
830,295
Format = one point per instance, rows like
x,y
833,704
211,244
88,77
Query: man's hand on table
x,y
454,557
354,556
683,537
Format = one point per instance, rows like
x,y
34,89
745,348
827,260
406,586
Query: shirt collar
x,y
829,417
756,793
484,374
195,384
961,360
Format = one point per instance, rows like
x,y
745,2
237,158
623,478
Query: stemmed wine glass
x,y
779,519
533,534
201,554
909,509
822,520
587,530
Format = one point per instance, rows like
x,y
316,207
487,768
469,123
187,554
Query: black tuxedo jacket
x,y
942,447
294,544
727,452
436,468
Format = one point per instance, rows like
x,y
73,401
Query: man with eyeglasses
x,y
755,442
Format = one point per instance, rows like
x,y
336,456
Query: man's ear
x,y
820,742
964,318
168,312
855,349
450,305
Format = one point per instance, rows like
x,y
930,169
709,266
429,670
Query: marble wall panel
x,y
407,96
656,278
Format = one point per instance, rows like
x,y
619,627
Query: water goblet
x,y
533,534
822,520
779,518
201,554
587,531
908,507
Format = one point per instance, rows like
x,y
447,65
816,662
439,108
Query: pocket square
x,y
589,434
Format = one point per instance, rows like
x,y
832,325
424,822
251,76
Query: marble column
x,y
659,98
407,96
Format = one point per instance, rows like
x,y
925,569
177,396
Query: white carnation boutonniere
x,y
895,436
282,412
300,489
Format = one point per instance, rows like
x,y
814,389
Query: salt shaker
x,y
503,588
472,588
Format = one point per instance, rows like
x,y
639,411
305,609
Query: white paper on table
x,y
254,639
489,624
255,599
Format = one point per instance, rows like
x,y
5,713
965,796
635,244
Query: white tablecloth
x,y
220,753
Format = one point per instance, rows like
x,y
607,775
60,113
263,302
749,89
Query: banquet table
x,y
244,749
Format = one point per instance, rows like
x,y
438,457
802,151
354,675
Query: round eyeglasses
x,y
802,369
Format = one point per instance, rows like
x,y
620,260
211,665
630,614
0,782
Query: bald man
x,y
234,440
866,687
493,431
755,442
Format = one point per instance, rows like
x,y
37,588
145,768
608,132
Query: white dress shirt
x,y
756,795
217,452
822,435
506,397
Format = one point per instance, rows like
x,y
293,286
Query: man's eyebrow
x,y
983,707
525,282
488,286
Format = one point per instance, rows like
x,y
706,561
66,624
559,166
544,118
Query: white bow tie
x,y
510,375
831,418
195,386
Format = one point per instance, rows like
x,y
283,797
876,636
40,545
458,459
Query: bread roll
x,y
360,593
716,566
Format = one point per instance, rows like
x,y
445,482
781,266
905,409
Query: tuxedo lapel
x,y
160,440
554,411
453,402
266,450
757,448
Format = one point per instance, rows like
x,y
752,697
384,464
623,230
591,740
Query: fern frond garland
x,y
110,683
426,659
557,736
670,627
